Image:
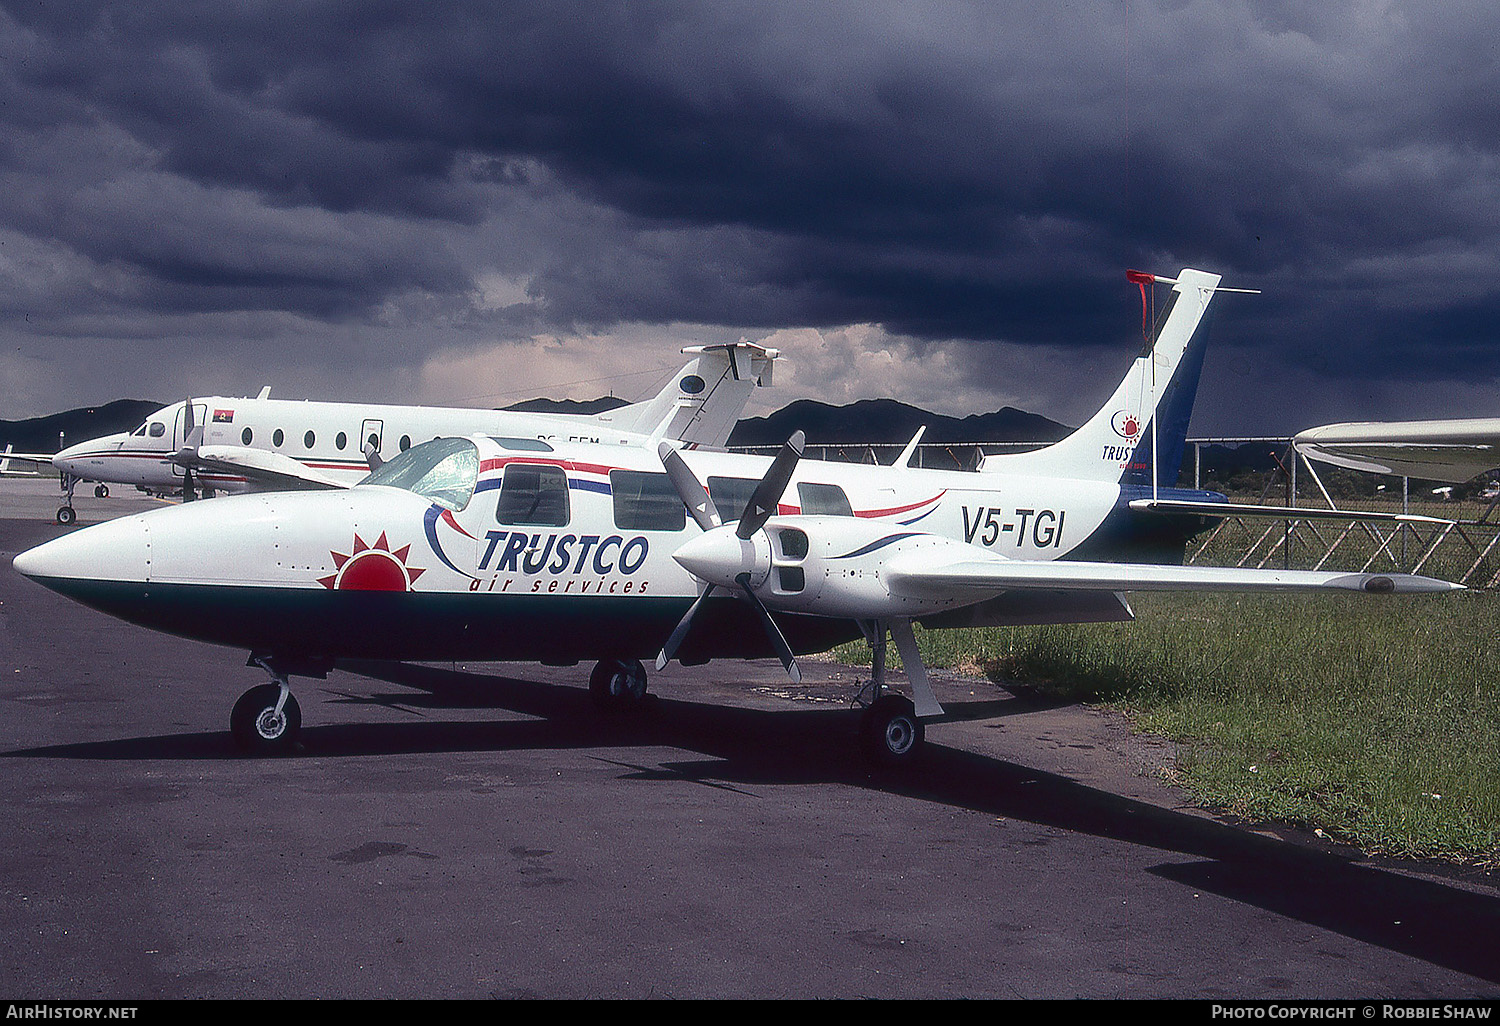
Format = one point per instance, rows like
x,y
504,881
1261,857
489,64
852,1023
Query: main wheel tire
x,y
101,491
256,727
618,683
890,732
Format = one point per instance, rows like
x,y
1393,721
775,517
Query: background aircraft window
x,y
443,470
824,500
245,436
340,440
646,502
533,494
308,440
277,437
405,442
731,495
157,429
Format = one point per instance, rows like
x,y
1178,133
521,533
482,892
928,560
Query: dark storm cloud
x,y
949,170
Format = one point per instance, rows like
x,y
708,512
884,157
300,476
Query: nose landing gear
x,y
267,719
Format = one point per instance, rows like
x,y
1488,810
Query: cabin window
x,y
308,440
646,502
405,442
245,436
824,500
731,495
340,440
157,429
277,437
533,494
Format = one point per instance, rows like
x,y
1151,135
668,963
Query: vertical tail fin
x,y
704,400
1149,412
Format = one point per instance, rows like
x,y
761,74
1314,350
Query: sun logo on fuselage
x,y
372,568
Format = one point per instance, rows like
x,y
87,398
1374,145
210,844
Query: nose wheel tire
x,y
618,683
258,728
890,732
65,515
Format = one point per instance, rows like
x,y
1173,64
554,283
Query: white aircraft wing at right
x,y
929,574
1432,450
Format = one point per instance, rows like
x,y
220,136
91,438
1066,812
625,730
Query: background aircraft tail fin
x,y
1149,411
704,400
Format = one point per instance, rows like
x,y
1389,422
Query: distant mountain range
x,y
887,422
41,434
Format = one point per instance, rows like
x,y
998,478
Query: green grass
x,y
1375,719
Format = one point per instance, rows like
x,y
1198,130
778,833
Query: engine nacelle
x,y
831,566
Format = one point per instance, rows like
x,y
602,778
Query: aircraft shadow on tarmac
x,y
1445,925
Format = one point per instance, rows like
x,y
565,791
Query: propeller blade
x,y
694,496
763,501
783,650
187,455
680,631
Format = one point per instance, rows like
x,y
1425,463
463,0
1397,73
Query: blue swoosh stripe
x,y
889,539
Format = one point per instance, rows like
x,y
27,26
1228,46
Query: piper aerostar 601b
x,y
219,444
495,548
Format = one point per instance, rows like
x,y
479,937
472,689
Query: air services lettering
x,y
522,552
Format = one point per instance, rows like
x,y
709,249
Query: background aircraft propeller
x,y
762,504
187,456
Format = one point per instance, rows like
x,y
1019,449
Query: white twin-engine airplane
x,y
503,548
218,444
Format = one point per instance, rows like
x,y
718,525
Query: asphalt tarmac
x,y
481,831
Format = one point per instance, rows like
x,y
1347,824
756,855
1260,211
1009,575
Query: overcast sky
x,y
476,203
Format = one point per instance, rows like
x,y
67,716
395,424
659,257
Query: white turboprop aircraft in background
x,y
1431,450
487,548
219,444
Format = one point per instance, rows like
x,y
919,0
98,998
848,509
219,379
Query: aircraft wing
x,y
919,575
1246,509
1432,450
261,467
24,457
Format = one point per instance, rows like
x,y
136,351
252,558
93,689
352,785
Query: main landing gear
x,y
618,683
267,719
890,731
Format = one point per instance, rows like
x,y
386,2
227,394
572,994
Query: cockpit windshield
x,y
443,470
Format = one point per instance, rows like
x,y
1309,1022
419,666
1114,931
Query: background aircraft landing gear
x,y
618,683
101,491
266,720
65,514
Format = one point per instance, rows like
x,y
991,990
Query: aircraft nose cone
x,y
72,459
117,550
